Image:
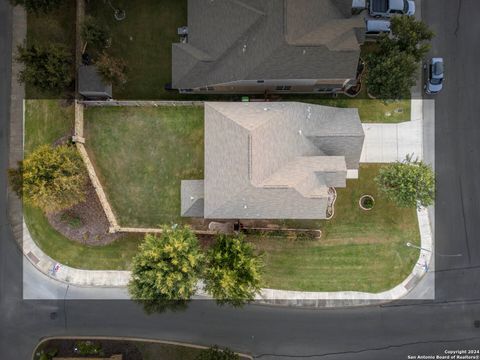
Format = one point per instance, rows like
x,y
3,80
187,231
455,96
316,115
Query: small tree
x,y
50,178
47,68
167,266
111,69
214,353
409,183
391,75
38,6
94,33
410,36
232,273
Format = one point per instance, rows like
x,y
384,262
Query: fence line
x,y
139,103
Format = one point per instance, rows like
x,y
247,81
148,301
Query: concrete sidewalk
x,y
393,142
112,279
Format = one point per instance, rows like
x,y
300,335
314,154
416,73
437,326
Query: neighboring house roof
x,y
273,160
231,40
90,82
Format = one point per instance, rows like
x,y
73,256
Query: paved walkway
x,y
392,142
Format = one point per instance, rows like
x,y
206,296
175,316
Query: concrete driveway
x,y
392,142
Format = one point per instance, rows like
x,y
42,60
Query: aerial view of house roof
x,y
267,39
272,160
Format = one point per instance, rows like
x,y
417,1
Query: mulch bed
x,y
65,348
85,222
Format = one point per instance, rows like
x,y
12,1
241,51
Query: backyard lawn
x,y
141,155
144,40
55,27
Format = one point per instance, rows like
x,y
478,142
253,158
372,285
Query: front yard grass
x,y
114,256
141,155
359,250
45,122
371,110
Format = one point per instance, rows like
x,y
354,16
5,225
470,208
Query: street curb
x,y
111,278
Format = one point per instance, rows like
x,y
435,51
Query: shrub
x,y
88,348
232,273
38,6
167,266
50,178
47,68
94,34
214,353
112,70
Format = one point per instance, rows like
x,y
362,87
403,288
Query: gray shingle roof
x,y
266,160
232,40
90,82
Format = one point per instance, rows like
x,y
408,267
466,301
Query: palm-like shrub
x,y
167,266
232,271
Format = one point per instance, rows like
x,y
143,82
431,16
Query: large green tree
x,y
47,68
51,178
167,266
409,35
232,271
410,183
38,6
391,75
392,68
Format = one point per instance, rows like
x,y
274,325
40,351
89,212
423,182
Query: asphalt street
x,y
390,331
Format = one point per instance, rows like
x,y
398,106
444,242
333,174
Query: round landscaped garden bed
x,y
366,202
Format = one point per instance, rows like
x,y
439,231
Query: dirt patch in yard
x,y
85,222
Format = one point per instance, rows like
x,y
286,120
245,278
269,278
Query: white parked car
x,y
435,76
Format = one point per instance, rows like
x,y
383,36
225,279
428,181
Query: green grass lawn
x,y
141,155
144,40
359,250
114,256
55,27
46,121
371,110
